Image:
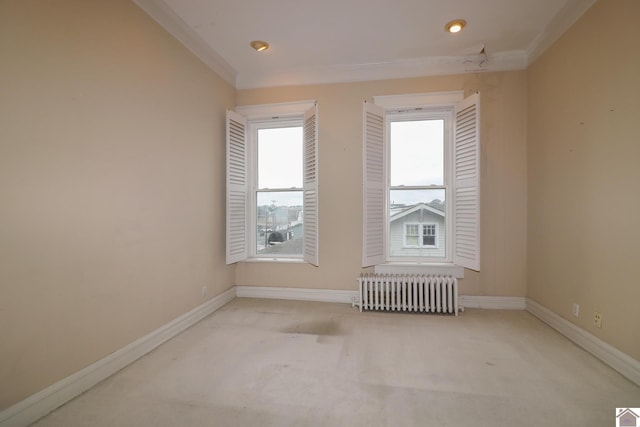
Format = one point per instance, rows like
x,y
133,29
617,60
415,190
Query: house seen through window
x,y
418,184
279,202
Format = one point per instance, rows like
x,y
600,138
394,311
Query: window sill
x,y
420,247
277,260
420,268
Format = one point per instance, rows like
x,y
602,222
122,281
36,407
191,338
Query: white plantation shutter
x,y
373,185
310,186
467,183
236,187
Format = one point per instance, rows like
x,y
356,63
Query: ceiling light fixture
x,y
259,45
455,26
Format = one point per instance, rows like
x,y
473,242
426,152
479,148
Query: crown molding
x,y
568,15
170,21
418,67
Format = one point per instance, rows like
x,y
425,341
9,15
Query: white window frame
x,y
445,113
464,211
255,125
242,177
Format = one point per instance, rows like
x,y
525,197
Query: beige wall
x,y
503,269
111,185
112,182
584,174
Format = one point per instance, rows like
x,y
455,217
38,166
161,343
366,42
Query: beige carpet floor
x,y
290,363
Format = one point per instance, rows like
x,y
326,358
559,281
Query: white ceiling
x,y
326,41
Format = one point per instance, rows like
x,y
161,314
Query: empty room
x,y
319,214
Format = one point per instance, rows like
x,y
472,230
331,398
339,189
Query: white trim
x,y
170,21
418,67
299,294
621,362
564,19
259,117
279,110
492,303
434,105
40,404
330,295
276,260
415,100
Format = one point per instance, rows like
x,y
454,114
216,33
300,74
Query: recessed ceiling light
x,y
455,26
259,45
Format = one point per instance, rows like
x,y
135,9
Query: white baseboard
x,y
492,303
621,362
40,404
300,294
328,295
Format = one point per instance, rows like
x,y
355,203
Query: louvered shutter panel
x,y
467,183
310,186
236,187
373,185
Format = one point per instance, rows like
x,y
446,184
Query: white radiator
x,y
411,293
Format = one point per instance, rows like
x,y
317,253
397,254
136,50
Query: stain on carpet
x,y
328,327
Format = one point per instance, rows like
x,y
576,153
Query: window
x,y
420,235
418,184
278,192
272,186
421,180
412,234
428,235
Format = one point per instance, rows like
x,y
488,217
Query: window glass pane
x,y
425,209
428,235
280,157
411,238
417,152
279,222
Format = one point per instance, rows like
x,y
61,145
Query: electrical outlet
x,y
597,319
204,291
576,309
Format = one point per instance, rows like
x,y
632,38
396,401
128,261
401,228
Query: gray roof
x,y
402,211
